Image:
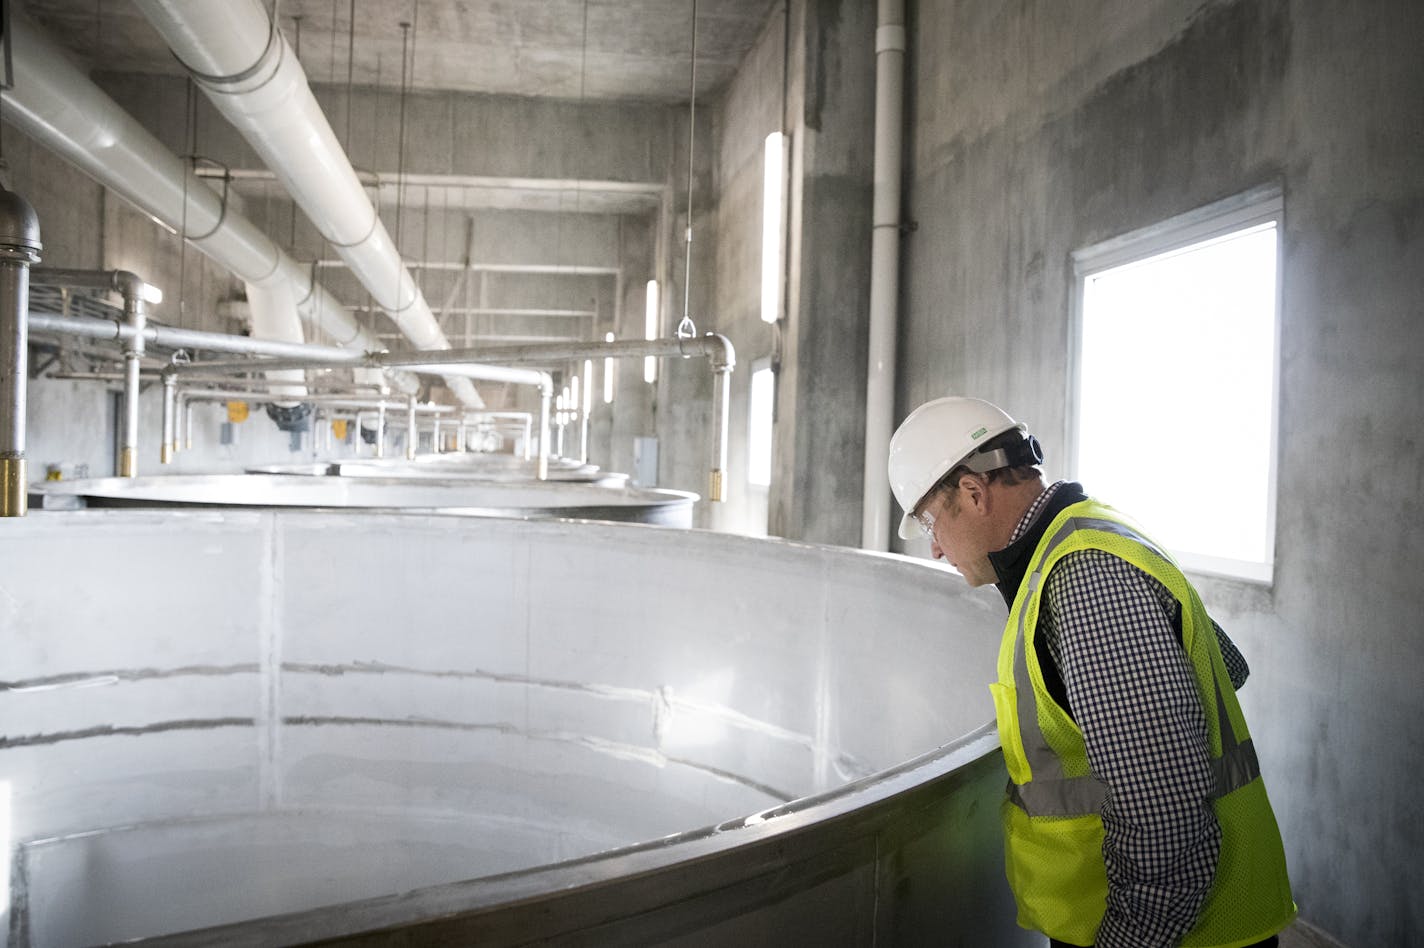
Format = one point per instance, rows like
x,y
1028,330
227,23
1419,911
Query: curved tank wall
x,y
468,466
526,499
383,727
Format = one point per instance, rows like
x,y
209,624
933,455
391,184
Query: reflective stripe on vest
x,y
1049,792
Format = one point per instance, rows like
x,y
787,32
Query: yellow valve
x,y
338,429
237,412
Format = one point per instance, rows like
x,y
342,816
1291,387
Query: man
x,y
1136,816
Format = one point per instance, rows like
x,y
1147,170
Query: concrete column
x,y
820,421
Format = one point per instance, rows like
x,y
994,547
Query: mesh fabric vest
x,y
1053,828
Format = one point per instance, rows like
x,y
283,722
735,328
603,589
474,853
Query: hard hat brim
x,y
909,529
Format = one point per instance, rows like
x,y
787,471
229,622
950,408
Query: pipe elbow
x,y
720,350
134,288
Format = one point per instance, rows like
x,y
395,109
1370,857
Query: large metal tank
x,y
521,498
248,727
468,466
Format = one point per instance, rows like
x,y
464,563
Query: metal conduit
x,y
241,61
181,415
171,338
19,249
715,347
416,362
137,295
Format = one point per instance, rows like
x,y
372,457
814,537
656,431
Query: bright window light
x,y
650,365
772,177
5,831
759,427
574,400
1177,379
608,376
587,387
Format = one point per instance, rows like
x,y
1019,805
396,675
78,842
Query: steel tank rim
x,y
300,491
597,888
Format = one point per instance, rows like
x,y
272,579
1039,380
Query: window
x,y
759,422
1176,382
650,331
773,174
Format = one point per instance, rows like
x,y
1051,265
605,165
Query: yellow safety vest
x,y
1053,828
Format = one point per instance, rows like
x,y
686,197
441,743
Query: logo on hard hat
x,y
978,434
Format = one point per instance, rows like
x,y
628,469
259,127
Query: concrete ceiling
x,y
570,49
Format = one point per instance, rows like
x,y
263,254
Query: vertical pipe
x,y
19,250
721,405
528,438
381,431
185,411
137,319
546,395
410,433
884,272
170,404
435,437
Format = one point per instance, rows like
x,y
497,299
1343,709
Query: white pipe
x,y
244,65
54,102
268,306
884,272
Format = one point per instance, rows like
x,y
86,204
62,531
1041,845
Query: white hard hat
x,y
938,436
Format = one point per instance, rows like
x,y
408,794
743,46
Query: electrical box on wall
x,y
645,462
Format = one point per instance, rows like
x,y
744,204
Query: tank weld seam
x,y
89,679
664,700
109,730
378,668
599,745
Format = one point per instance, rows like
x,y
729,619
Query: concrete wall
x,y
1043,129
820,431
751,109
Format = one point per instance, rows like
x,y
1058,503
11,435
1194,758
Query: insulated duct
x,y
240,59
267,304
55,103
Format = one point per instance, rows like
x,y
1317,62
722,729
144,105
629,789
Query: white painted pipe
x,y
268,306
55,102
242,62
884,272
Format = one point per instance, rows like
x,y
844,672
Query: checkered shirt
x,y
1110,629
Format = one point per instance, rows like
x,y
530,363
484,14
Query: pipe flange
x,y
291,417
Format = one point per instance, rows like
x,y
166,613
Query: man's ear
x,y
974,494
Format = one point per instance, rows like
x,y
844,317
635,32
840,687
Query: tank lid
x,y
19,225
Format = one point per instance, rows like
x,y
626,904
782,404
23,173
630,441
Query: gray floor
x,y
1303,935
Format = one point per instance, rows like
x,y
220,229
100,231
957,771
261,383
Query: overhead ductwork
x,y
239,58
55,102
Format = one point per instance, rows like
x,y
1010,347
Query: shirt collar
x,y
1011,563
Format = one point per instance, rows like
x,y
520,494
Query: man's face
x,y
958,527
